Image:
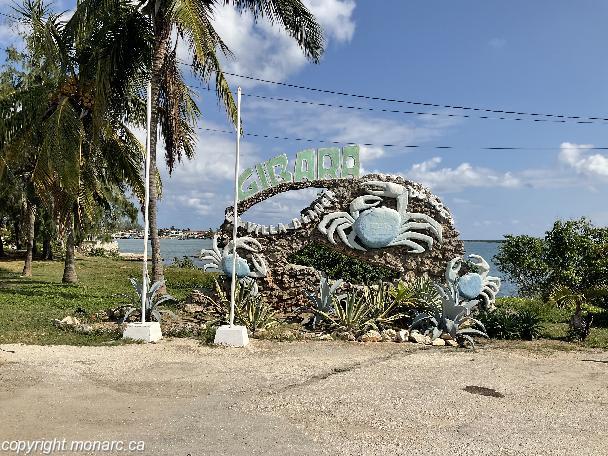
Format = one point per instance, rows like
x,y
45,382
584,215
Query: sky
x,y
545,56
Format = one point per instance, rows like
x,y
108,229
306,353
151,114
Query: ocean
x,y
191,248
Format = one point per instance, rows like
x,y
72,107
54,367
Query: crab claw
x,y
452,269
260,266
381,188
482,264
246,242
362,203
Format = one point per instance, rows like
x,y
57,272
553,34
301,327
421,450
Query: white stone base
x,y
146,332
232,336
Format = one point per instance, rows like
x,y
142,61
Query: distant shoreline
x,y
494,241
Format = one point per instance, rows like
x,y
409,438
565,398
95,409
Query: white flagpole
x,y
235,218
144,283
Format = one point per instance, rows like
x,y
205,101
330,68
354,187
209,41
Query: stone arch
x,y
285,284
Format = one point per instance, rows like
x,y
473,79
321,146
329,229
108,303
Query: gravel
x,y
301,398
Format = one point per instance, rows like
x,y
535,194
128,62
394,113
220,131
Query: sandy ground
x,y
309,398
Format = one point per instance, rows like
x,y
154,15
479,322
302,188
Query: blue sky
x,y
545,56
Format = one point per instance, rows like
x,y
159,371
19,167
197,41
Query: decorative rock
x,y
418,338
346,335
193,308
371,336
326,337
68,321
451,343
427,340
389,335
285,284
439,342
446,336
402,335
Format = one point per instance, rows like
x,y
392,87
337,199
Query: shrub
x,y
572,254
183,263
337,265
507,323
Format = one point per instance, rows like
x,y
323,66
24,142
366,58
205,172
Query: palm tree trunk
x,y
2,254
162,33
69,269
47,250
31,220
17,233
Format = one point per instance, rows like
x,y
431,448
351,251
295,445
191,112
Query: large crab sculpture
x,y
477,286
221,260
372,226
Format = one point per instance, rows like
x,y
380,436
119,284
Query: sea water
x,y
191,248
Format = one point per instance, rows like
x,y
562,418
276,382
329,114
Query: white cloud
x,y
266,51
457,179
579,158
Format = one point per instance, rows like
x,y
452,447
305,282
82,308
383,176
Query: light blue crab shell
x,y
377,227
242,267
470,285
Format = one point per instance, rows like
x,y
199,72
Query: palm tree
x,y
73,116
172,106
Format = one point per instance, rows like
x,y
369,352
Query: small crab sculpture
x,y
372,226
474,285
221,260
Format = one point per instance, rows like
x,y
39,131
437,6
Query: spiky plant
x,y
152,301
322,302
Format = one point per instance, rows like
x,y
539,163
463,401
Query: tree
x,y
572,254
70,112
172,106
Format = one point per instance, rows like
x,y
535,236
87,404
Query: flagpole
x,y
235,217
144,283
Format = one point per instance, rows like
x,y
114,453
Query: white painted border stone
x,y
146,332
232,336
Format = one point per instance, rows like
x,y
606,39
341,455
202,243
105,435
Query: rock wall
x,y
285,284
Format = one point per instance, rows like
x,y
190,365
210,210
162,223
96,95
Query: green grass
x,y
555,322
29,305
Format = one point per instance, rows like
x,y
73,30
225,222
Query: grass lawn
x,y
28,305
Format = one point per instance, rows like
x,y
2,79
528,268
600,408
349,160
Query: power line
x,y
404,146
585,119
397,111
555,117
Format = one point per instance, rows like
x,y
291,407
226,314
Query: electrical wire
x,y
404,146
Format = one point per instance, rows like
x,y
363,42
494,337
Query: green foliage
x,y
152,301
101,252
363,308
417,295
337,265
323,300
250,308
506,323
183,263
572,254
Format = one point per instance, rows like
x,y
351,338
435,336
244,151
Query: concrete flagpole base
x,y
232,336
145,332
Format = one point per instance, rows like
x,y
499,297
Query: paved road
x,y
308,398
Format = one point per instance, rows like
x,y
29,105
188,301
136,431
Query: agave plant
x,y
350,313
382,305
323,300
250,308
451,316
152,301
